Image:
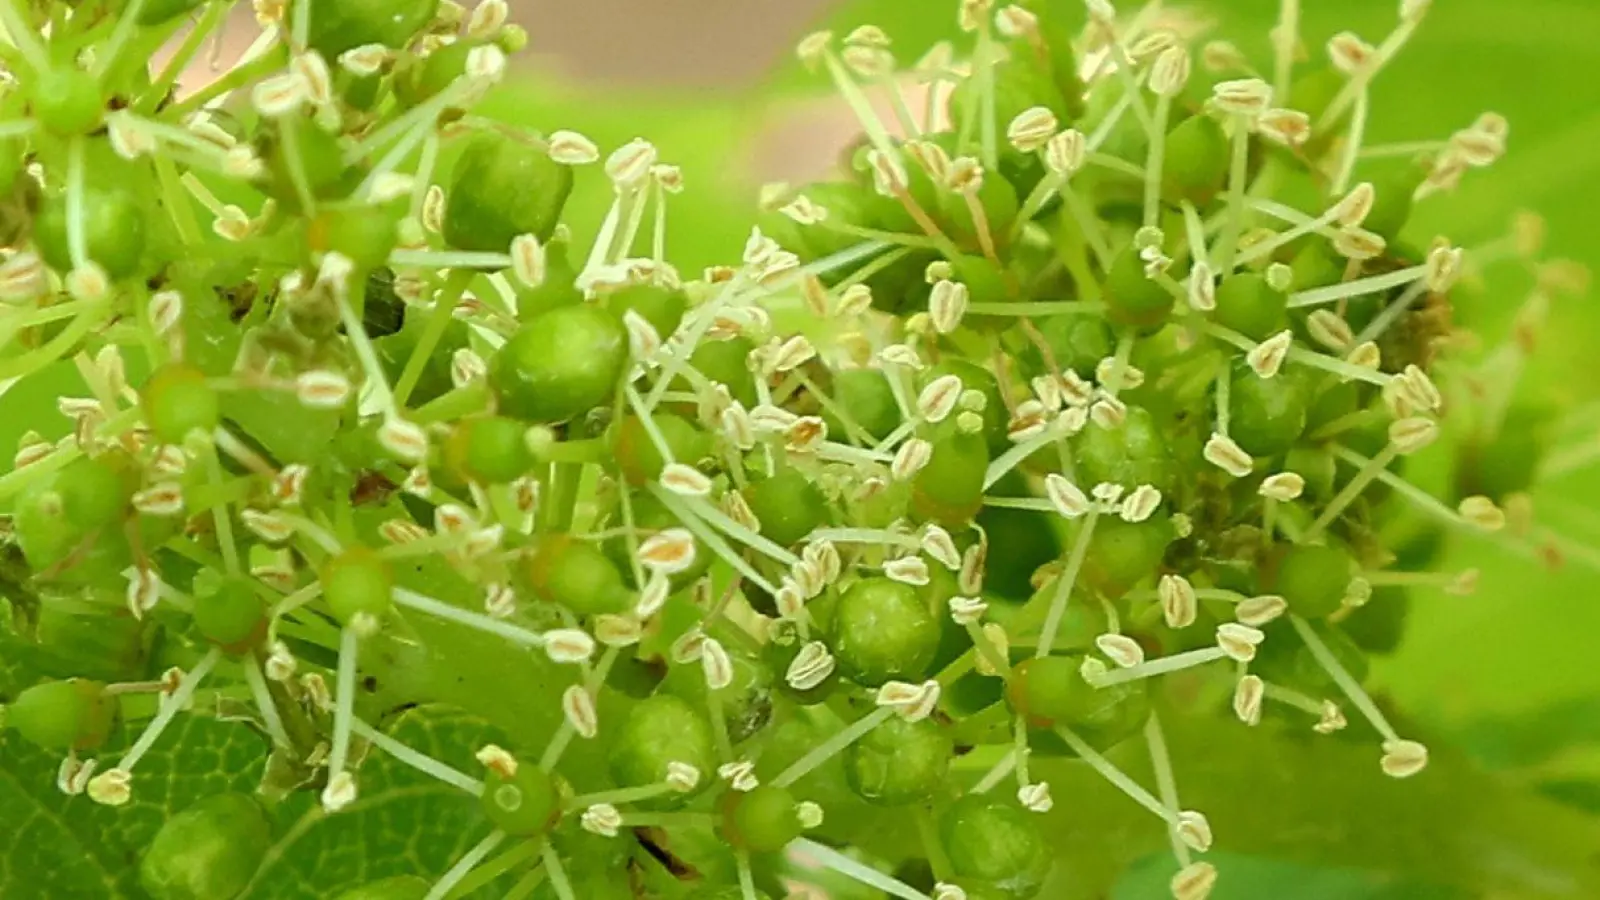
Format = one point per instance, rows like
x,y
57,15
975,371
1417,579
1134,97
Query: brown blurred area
x,y
697,43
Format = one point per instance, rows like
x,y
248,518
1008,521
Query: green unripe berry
x,y
95,491
1132,453
1313,579
1507,461
787,505
746,701
1315,265
317,155
1249,306
883,630
488,449
425,78
659,731
578,575
1020,541
231,615
724,361
363,234
1076,342
1051,690
663,308
114,229
176,401
1266,415
559,287
1196,159
899,762
998,202
949,489
400,887
866,396
207,852
996,841
340,25
67,100
975,378
1132,300
764,820
560,364
638,456
1392,201
1312,94
357,585
501,188
1122,554
525,805
75,714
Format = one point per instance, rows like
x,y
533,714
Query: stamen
x,y
263,700
479,621
169,707
1067,580
1151,668
417,759
1352,147
1166,785
1119,779
833,746
844,865
464,866
344,703
685,514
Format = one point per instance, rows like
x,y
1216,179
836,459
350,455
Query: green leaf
x,y
53,846
403,823
1256,878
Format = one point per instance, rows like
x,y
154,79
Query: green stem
x,y
433,332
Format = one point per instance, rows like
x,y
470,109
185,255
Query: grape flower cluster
x,y
1095,367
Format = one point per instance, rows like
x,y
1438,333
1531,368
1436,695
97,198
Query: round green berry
x,y
363,234
746,701
662,307
488,449
1132,299
976,378
1020,541
995,841
400,887
95,490
231,615
559,287
727,363
1077,343
576,574
75,714
177,401
1048,690
418,80
1315,265
207,852
764,820
114,229
899,762
949,489
560,364
357,584
1196,159
638,456
525,805
1313,579
310,156
1248,305
1122,554
1266,415
787,504
503,187
1392,201
864,395
882,630
67,100
1132,453
340,25
661,730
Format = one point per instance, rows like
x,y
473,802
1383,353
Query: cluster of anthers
x,y
1103,366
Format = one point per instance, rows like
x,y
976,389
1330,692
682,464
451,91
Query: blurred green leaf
x,y
1256,878
53,846
403,823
